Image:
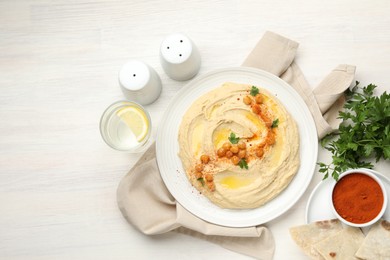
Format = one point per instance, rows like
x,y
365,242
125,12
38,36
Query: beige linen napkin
x,y
147,204
275,54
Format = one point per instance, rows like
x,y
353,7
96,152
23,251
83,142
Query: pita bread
x,y
376,245
342,245
306,236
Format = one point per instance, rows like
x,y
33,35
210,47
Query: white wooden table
x,y
59,62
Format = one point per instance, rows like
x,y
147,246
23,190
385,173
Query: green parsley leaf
x,y
254,91
275,123
364,133
243,164
233,139
201,180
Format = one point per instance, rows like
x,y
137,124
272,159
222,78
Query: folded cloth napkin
x,y
147,204
275,54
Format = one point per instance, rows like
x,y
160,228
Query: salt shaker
x,y
139,82
179,57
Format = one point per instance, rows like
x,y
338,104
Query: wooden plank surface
x,y
59,62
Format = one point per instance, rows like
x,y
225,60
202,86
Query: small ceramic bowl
x,y
357,198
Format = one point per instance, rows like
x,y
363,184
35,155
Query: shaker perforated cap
x,y
139,82
176,48
134,75
179,57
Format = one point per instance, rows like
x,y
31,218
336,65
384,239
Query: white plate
x,y
173,174
319,206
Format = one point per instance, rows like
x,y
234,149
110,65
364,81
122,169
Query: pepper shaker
x,y
179,57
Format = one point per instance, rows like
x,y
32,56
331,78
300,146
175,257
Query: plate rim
x,y
261,73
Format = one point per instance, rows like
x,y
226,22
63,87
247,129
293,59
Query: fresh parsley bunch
x,y
363,134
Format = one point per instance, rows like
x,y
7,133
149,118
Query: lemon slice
x,y
136,120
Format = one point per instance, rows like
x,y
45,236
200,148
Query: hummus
x,y
239,146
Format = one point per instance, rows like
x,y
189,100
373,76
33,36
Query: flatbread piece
x,y
342,245
376,245
306,236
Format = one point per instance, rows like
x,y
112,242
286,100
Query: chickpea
x,y
209,177
234,149
221,152
198,175
241,145
242,154
256,109
247,100
270,140
235,160
259,152
268,123
204,158
227,146
259,99
266,119
229,154
210,185
199,167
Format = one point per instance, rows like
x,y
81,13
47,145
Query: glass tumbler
x,y
126,126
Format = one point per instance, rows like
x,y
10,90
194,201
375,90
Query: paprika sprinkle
x,y
357,198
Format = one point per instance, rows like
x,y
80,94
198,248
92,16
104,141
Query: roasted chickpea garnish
x,y
229,154
209,177
210,185
241,145
199,167
266,119
234,149
227,146
198,175
221,152
247,100
235,160
270,140
204,158
242,154
259,99
256,109
268,123
259,152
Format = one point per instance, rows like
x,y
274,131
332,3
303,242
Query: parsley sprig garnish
x,y
275,123
233,139
254,91
363,134
201,180
243,164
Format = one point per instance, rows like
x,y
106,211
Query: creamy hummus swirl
x,y
207,126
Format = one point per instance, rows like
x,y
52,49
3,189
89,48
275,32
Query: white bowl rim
x,y
384,192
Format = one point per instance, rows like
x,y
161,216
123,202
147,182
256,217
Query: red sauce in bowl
x,y
357,198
